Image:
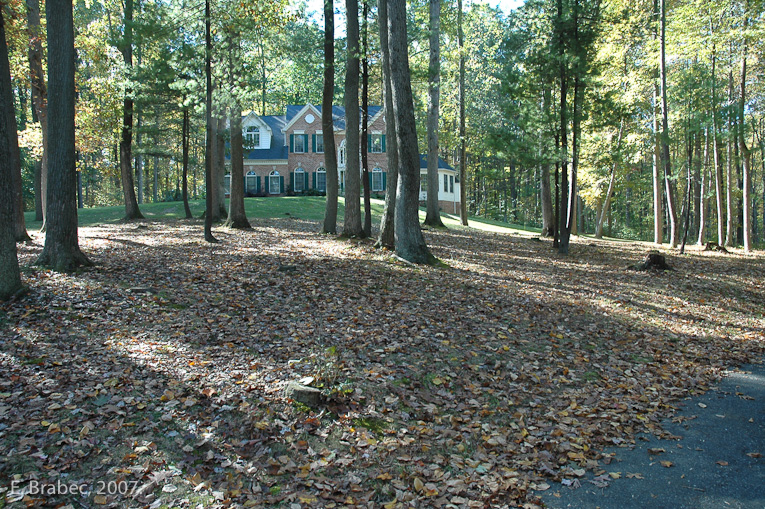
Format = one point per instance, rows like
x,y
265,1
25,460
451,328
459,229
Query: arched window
x,y
298,181
250,183
321,180
378,180
252,136
275,183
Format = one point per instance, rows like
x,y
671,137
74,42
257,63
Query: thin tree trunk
x,y
365,126
546,194
352,220
658,182
703,189
10,275
185,178
716,152
667,162
237,218
463,151
327,124
39,104
387,226
410,244
61,250
220,167
565,232
746,154
432,215
607,200
210,142
126,138
139,161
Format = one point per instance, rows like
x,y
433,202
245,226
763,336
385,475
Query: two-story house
x,y
285,154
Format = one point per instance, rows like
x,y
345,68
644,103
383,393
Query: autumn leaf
x,y
666,463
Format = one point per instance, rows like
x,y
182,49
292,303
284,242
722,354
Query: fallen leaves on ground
x,y
156,377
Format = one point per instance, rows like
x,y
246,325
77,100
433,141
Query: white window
x,y
298,183
377,179
376,144
321,180
341,155
319,143
252,137
446,183
274,183
423,183
451,183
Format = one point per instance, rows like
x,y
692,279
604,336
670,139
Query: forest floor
x,y
156,378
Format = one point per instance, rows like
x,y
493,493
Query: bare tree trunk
x,y
658,183
327,124
220,167
387,227
39,104
126,138
432,215
352,221
10,275
463,152
365,126
61,251
546,194
565,232
730,206
410,244
716,151
237,218
703,190
667,162
745,152
210,142
185,178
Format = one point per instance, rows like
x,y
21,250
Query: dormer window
x,y
252,136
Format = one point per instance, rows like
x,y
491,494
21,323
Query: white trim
x,y
263,162
300,114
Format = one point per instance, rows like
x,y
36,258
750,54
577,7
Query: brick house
x,y
285,155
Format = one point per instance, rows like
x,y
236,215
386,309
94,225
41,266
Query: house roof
x,y
338,114
277,150
442,165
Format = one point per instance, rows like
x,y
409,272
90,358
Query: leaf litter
x,y
160,371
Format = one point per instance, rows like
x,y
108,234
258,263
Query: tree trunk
x,y
220,167
352,220
565,232
365,127
410,244
139,162
716,152
40,105
387,226
61,251
703,190
667,162
237,218
185,178
10,275
126,136
546,194
210,142
463,151
746,154
658,184
327,124
432,215
731,214
607,200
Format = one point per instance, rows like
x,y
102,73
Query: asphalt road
x,y
718,463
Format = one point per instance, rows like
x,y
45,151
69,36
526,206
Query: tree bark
x,y
220,167
746,154
666,161
126,137
548,220
10,275
463,151
61,251
730,206
185,177
387,226
565,232
716,152
237,218
39,103
327,123
432,214
703,190
210,142
410,244
365,126
352,221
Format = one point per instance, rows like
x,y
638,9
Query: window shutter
x,y
305,142
385,180
383,143
281,184
314,180
305,181
292,180
369,143
313,143
292,143
257,184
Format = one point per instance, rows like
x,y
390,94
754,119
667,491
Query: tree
x,y
746,153
327,122
387,237
61,250
126,137
352,224
432,215
210,140
665,154
463,153
39,103
365,124
410,244
10,276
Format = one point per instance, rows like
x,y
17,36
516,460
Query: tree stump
x,y
653,261
714,246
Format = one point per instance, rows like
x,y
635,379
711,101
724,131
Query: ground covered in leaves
x,y
155,378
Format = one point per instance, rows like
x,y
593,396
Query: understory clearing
x,y
156,378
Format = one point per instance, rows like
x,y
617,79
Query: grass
x,y
309,208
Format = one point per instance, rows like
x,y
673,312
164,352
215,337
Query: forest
x,y
169,340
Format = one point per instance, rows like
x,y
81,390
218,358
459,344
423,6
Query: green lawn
x,y
302,207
